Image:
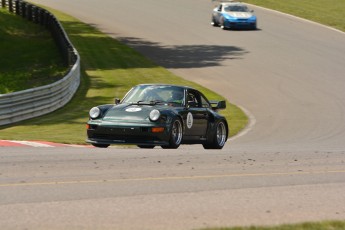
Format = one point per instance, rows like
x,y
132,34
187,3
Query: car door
x,y
196,118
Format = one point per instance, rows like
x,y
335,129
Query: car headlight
x,y
94,112
154,115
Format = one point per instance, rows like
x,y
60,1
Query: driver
x,y
177,97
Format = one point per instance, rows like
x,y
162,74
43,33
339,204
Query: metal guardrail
x,y
38,101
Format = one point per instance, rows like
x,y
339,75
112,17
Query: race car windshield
x,y
153,94
236,8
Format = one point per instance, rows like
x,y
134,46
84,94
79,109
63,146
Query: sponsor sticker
x,y
189,120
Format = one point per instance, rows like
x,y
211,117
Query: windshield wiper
x,y
155,102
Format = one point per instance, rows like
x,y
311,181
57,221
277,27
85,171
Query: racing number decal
x,y
189,120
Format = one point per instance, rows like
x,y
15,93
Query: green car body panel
x,y
149,116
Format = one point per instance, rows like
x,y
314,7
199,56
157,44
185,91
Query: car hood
x,y
130,113
240,15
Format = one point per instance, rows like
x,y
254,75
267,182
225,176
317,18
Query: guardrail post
x,y
41,13
16,2
10,6
19,8
29,11
35,14
23,8
48,21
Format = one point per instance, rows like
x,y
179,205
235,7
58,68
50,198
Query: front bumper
x,y
138,135
240,24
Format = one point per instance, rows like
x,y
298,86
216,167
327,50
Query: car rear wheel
x,y
101,145
176,134
219,137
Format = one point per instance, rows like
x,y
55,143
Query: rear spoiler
x,y
216,105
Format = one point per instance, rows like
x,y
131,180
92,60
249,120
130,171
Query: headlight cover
x,y
154,115
94,112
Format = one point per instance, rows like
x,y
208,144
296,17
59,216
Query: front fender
x,y
104,109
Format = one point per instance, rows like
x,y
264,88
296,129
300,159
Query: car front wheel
x,y
214,22
222,23
176,134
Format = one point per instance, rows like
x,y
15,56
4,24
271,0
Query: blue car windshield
x,y
236,8
155,93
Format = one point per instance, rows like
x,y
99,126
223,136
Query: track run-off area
x,y
12,143
287,167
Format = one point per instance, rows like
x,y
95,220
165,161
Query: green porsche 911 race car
x,y
159,115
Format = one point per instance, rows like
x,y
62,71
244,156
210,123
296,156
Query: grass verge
x,y
28,55
109,70
327,12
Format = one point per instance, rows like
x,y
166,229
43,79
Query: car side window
x,y
196,100
192,100
204,102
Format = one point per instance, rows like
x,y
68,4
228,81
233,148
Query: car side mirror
x,y
117,101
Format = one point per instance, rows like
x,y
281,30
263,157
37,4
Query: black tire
x,y
101,145
213,22
221,23
176,134
219,136
146,146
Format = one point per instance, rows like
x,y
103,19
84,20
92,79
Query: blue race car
x,y
233,15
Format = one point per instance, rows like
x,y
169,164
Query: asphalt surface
x,y
288,166
190,188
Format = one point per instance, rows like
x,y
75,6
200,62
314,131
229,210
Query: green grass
x,y
109,70
325,225
28,55
327,12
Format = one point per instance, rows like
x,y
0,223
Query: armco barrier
x,y
35,102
